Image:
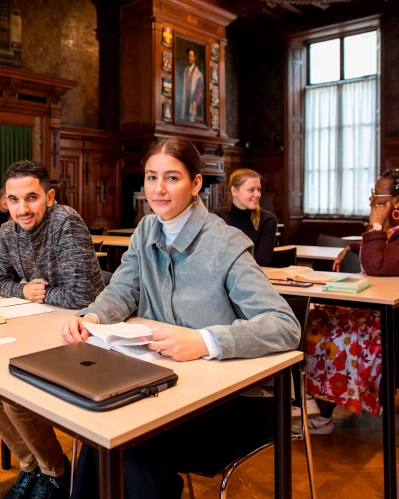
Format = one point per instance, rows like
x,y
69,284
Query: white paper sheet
x,y
24,310
10,302
4,341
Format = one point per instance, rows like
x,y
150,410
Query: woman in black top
x,y
245,214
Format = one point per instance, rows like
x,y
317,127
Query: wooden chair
x,y
98,246
107,276
300,307
5,456
351,263
331,241
283,258
98,231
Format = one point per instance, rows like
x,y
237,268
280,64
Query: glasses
x,y
374,195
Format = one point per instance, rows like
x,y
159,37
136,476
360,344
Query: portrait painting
x,y
190,81
167,62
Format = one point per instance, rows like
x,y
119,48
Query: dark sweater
x,y
379,257
59,250
264,238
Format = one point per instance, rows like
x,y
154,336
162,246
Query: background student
x,y
343,345
187,268
246,214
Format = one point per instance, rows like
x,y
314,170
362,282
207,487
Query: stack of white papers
x,y
12,308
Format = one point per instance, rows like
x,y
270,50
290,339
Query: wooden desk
x,y
121,232
119,241
113,431
313,252
383,295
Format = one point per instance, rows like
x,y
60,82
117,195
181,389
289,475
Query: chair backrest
x,y
107,276
300,306
283,258
331,241
97,231
98,246
351,263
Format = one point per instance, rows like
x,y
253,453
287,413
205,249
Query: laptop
x,y
92,377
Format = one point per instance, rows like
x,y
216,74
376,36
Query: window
x,y
341,125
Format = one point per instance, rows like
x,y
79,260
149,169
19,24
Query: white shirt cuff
x,y
211,344
91,315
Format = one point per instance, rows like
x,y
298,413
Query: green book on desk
x,y
350,284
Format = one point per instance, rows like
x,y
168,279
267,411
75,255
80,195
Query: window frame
x,y
339,37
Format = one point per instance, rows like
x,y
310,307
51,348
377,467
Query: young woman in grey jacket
x,y
187,268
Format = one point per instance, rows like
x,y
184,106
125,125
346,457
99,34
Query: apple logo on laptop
x,y
87,363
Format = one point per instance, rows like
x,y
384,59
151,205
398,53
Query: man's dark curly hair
x,y
28,168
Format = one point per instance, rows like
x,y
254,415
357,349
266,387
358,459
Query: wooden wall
x,y
59,40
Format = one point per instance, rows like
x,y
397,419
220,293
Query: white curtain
x,y
341,161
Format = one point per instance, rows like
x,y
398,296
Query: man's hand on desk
x,y
35,290
74,330
180,343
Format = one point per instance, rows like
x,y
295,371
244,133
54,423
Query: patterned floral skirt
x,y
343,357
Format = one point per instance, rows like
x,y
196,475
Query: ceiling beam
x,y
292,8
271,14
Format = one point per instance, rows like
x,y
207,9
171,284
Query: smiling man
x,y
50,248
46,244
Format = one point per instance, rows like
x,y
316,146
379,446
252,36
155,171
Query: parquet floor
x,y
348,464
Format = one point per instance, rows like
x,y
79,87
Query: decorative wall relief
x,y
215,119
167,37
215,52
167,112
215,97
215,75
167,62
167,87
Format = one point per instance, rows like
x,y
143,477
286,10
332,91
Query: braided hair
x,y
237,178
393,176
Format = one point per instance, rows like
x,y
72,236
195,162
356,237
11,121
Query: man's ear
x,y
50,198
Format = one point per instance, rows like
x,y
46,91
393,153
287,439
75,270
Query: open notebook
x,y
301,274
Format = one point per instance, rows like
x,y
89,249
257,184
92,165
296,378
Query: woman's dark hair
x,y
28,168
179,148
60,193
393,176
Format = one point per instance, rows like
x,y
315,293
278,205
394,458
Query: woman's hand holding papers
x,y
74,330
180,343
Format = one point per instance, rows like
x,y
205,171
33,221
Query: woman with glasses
x,y
343,345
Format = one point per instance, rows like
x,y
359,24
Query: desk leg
x,y
388,387
111,473
283,439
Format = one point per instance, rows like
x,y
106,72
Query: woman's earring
x,y
145,200
196,199
395,214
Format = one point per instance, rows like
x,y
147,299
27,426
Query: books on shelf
x,y
301,274
129,339
350,284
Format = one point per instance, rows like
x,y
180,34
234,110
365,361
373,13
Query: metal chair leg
x,y
74,462
229,470
190,486
305,425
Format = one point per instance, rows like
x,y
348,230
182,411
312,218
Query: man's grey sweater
x,y
59,250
